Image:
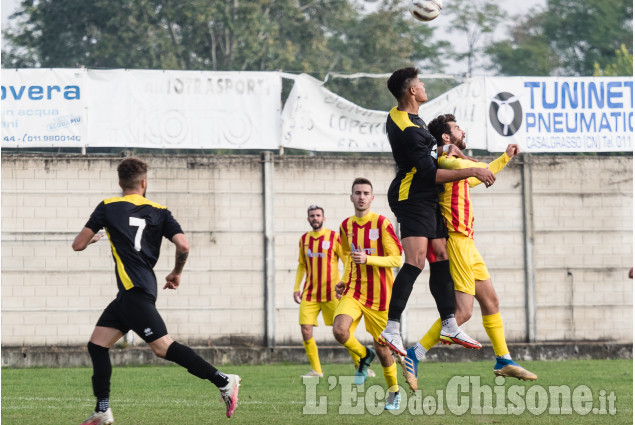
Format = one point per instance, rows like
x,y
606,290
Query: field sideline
x,y
276,394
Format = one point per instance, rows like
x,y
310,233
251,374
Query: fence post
x,y
269,269
528,245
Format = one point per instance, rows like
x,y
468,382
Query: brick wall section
x,y
52,295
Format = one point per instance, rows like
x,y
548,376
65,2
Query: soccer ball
x,y
425,10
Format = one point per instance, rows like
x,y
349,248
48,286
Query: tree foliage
x,y
622,66
291,35
567,38
474,19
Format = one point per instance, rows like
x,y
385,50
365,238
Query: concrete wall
x,y
53,296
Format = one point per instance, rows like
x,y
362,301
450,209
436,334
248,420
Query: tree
x,y
292,35
622,66
474,18
567,38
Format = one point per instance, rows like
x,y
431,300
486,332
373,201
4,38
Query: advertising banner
x,y
43,108
465,102
560,114
184,109
317,119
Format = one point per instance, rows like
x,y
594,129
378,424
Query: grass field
x,y
275,394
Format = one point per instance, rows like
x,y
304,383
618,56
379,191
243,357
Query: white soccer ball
x,y
426,10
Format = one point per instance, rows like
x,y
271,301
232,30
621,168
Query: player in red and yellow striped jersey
x,y
372,249
319,253
470,275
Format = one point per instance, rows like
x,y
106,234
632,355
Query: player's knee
x,y
340,333
307,334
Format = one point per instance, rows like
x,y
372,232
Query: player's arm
x,y
85,238
299,275
499,163
392,249
173,280
346,259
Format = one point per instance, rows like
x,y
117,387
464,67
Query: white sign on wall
x,y
43,108
184,109
317,119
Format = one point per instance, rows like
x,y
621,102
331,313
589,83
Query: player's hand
x,y
359,257
297,297
339,289
485,175
512,150
95,238
172,281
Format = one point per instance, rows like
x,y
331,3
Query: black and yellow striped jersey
x,y
135,227
414,150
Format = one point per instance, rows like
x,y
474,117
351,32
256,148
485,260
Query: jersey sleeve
x,y
346,254
97,220
171,227
494,166
392,249
299,274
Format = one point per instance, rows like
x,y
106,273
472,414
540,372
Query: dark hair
x,y
400,81
131,171
361,180
439,126
314,207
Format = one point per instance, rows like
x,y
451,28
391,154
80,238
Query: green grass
x,y
275,394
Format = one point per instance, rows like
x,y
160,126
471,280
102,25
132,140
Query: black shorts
x,y
420,218
134,309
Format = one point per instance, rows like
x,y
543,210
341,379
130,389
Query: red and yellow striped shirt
x,y
370,283
319,253
456,200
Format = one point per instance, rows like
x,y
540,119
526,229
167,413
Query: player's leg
x,y
493,324
101,340
328,313
375,321
415,248
142,317
445,269
308,318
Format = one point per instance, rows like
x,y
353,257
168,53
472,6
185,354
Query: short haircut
x,y
401,80
131,171
361,180
314,207
439,126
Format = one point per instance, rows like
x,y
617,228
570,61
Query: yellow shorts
x,y
466,263
309,311
374,320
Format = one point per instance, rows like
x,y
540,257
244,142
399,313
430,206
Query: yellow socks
x,y
493,325
312,354
390,375
431,338
355,347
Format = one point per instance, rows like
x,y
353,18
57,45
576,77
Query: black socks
x,y
401,290
102,369
195,364
442,288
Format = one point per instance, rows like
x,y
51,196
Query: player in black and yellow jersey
x,y
135,227
413,198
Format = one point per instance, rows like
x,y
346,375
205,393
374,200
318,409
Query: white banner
x,y
465,102
317,119
43,108
559,114
184,109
